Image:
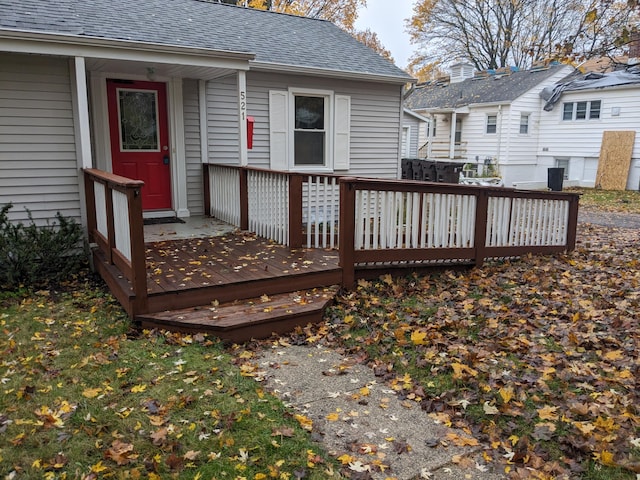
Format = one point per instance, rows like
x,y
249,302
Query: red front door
x,y
140,139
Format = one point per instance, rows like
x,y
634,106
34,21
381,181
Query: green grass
x,y
626,201
84,396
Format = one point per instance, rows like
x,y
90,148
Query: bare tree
x,y
498,33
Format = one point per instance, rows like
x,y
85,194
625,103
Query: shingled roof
x,y
490,89
273,38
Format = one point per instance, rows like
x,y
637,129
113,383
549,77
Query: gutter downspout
x,y
499,145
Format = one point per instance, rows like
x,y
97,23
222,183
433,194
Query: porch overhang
x,y
128,56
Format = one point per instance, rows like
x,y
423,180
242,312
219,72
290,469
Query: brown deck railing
x,y
392,223
374,223
404,222
115,226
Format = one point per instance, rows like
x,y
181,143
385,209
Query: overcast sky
x,y
386,18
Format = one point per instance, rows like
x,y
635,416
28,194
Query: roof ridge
x,y
216,2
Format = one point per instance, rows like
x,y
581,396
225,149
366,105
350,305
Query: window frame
x,y
581,110
329,130
493,125
526,124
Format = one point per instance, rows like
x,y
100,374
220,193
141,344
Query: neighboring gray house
x,y
152,90
489,117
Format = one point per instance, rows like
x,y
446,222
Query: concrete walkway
x,y
353,414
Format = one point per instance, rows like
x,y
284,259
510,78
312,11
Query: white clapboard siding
x,y
374,140
192,147
38,168
222,120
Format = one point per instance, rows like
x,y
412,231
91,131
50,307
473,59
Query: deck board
x,y
236,258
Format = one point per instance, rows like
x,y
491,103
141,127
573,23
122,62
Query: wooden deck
x,y
232,274
326,232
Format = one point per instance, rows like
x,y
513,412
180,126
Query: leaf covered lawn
x,y
537,358
82,396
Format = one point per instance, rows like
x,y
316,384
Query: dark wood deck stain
x,y
234,258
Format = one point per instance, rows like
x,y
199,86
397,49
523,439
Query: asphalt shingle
x,y
491,89
272,37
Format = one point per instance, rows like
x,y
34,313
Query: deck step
x,y
246,319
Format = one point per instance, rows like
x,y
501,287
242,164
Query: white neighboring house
x,y
490,117
574,119
153,90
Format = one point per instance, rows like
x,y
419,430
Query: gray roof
x,y
273,37
490,89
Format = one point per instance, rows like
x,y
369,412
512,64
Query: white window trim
x,y
329,129
406,146
574,110
486,125
522,115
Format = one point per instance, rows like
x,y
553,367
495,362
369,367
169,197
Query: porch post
x,y
452,137
242,118
432,120
80,102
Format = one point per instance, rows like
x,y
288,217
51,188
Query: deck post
x,y
244,198
347,231
206,189
138,254
295,210
572,224
480,238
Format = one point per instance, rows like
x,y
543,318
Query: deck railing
x,y
115,226
395,222
290,208
391,223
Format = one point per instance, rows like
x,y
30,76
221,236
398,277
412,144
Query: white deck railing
x,y
225,194
321,211
268,196
526,221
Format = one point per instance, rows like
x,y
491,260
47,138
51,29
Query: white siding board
x,y
580,140
193,157
375,120
37,141
222,121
